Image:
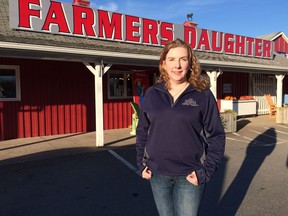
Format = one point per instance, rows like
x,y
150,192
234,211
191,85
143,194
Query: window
x,y
9,83
120,85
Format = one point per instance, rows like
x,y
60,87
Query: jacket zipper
x,y
171,99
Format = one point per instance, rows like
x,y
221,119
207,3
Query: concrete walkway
x,y
15,150
34,148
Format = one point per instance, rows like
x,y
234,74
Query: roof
x,y
28,44
270,36
273,36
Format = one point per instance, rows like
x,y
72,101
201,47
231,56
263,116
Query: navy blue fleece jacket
x,y
175,139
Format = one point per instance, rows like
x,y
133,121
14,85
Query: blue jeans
x,y
175,196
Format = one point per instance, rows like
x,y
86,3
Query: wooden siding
x,y
280,45
117,115
56,98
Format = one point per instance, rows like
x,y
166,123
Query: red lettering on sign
x,y
56,16
229,43
110,29
25,12
204,41
240,45
132,31
83,18
166,31
150,31
190,36
217,41
249,43
267,49
258,47
96,24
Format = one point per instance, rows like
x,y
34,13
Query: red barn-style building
x,y
280,41
64,74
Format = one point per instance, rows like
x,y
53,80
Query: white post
x,y
279,89
98,73
99,106
213,81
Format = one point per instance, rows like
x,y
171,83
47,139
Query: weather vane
x,y
189,16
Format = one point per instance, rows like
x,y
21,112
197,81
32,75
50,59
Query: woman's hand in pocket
x,y
146,173
192,178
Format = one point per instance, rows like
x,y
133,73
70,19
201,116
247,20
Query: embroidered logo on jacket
x,y
190,102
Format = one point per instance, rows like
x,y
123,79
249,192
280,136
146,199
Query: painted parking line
x,y
247,138
125,162
261,133
252,140
238,140
283,126
266,144
278,131
255,142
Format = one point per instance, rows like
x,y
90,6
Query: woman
x,y
180,138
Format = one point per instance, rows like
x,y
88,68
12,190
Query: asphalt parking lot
x,y
67,175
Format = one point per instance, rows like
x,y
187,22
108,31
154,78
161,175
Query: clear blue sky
x,y
243,17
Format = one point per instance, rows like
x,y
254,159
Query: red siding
x,y
117,115
56,98
280,45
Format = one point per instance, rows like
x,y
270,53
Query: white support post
x,y
98,73
99,106
279,89
213,81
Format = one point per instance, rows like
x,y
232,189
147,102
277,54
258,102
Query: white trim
x,y
262,67
280,34
40,48
99,118
99,106
18,87
213,75
125,84
279,90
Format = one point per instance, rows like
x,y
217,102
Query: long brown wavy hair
x,y
194,75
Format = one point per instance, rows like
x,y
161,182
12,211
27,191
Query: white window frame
x,y
125,75
18,89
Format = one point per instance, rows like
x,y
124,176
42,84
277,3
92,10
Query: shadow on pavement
x,y
230,202
241,123
90,183
42,141
80,181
